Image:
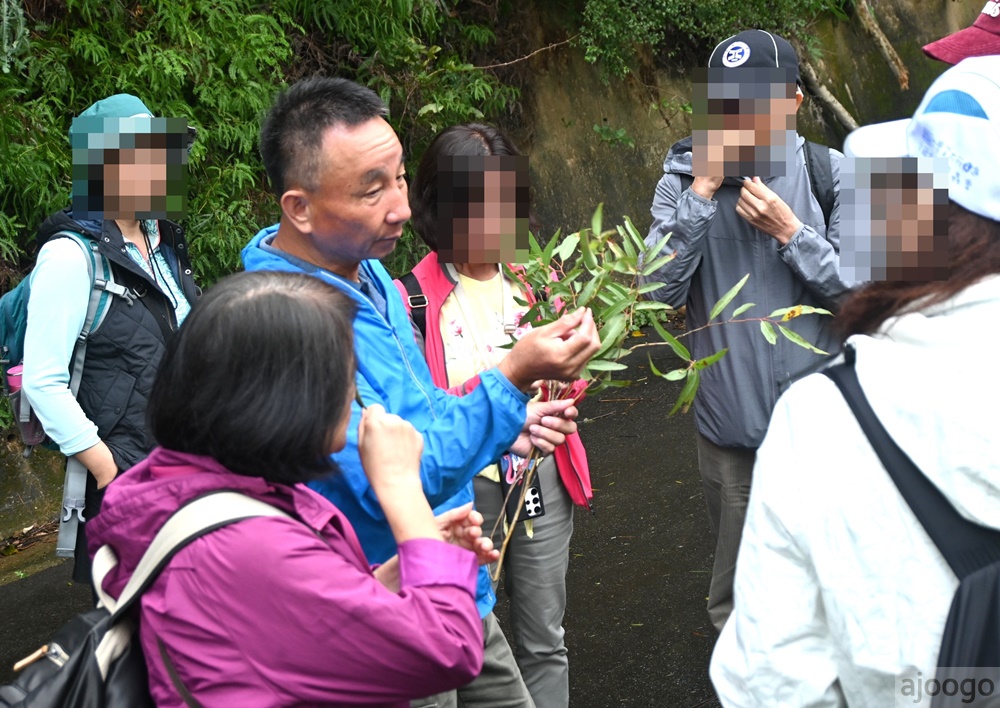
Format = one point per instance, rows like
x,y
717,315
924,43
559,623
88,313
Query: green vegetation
x,y
682,29
218,64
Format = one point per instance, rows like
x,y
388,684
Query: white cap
x,y
958,120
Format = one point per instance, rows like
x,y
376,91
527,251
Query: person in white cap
x,y
841,596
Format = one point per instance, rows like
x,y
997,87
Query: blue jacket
x,y
462,435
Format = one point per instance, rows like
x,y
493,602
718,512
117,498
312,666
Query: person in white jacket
x,y
841,598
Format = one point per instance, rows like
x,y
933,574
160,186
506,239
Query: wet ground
x,y
636,625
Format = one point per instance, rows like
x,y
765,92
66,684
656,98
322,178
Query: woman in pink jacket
x,y
470,206
253,396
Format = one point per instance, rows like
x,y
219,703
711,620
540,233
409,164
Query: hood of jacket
x,y
930,377
64,221
142,499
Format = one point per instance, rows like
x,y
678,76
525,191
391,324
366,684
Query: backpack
x,y
14,324
820,177
970,646
96,659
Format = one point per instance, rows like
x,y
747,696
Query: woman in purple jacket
x,y
253,395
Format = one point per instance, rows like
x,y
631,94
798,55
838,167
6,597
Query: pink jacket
x,y
571,457
265,612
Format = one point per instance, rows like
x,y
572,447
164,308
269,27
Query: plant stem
x,y
528,476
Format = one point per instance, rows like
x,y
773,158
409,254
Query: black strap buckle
x,y
417,301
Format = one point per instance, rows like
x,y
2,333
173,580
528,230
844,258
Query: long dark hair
x,y
974,243
259,376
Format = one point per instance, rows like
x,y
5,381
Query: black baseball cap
x,y
755,49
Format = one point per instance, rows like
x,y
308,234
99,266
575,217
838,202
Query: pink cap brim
x,y
970,42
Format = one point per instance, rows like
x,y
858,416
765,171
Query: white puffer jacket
x,y
840,595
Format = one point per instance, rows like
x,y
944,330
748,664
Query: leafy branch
x,y
610,271
604,270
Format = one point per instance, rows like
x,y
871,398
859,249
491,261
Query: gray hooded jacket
x,y
714,249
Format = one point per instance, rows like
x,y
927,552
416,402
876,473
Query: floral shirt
x,y
473,320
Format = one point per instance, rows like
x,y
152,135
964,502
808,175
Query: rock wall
x,y
574,168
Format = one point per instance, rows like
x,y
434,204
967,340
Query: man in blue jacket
x,y
337,169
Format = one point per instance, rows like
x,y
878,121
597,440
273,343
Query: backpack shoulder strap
x,y
190,522
966,546
821,177
416,302
686,181
103,287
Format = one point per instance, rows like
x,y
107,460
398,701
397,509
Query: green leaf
x,y
627,244
550,247
533,247
596,219
709,360
679,349
587,294
768,331
611,333
634,234
568,247
652,266
429,108
724,301
603,365
649,305
586,251
686,398
743,308
616,250
606,314
793,336
651,253
649,287
674,375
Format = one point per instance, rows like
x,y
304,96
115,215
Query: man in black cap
x,y
740,197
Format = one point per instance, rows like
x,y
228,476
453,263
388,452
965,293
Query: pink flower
x,y
455,328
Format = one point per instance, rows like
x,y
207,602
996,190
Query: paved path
x,y
636,625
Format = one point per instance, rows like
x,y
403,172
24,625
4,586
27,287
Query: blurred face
x,y
359,207
903,223
491,225
744,122
137,184
894,219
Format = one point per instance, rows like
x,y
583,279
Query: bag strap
x,y
103,287
965,545
182,690
416,302
192,521
821,177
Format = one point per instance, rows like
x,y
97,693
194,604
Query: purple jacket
x,y
266,613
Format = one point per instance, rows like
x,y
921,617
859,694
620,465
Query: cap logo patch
x,y
992,9
736,54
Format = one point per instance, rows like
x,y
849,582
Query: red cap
x,y
982,39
